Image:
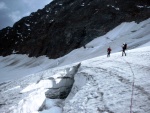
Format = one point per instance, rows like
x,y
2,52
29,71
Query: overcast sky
x,y
13,10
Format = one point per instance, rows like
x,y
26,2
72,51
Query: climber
x,y
108,52
124,47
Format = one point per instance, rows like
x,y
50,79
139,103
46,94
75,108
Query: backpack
x,y
125,46
109,49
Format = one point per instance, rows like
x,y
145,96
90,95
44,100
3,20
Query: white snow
x,y
101,84
83,4
47,11
60,4
27,24
53,106
107,84
145,6
51,21
14,52
117,8
140,6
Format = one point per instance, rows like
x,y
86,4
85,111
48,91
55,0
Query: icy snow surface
x,y
102,85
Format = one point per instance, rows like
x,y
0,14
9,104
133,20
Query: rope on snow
x,y
131,100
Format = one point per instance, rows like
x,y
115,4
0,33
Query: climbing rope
x,y
133,81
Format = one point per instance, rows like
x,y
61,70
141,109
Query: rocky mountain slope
x,y
64,25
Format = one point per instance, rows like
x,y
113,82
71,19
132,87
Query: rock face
x,y
64,25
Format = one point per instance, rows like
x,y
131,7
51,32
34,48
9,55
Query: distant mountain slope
x,y
59,28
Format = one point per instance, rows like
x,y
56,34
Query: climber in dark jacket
x,y
124,47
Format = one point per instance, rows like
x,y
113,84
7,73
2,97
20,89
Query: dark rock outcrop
x,y
64,25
